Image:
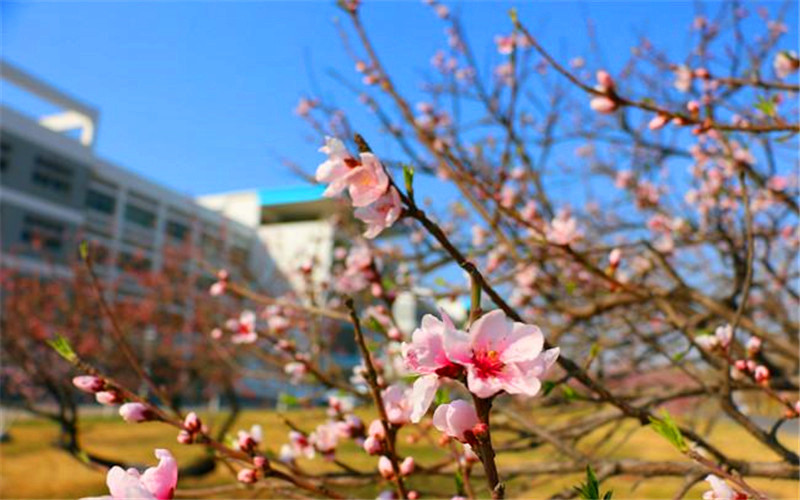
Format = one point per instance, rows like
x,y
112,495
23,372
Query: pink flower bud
x,y
407,466
259,461
693,107
797,407
373,445
217,288
377,290
185,437
192,423
658,122
108,397
135,412
615,257
246,476
480,429
385,467
413,495
89,383
751,365
741,365
376,429
761,374
753,345
603,104
246,442
394,334
604,80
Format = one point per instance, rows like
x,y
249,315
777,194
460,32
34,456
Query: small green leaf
x,y
766,106
440,281
571,287
595,350
288,400
590,490
569,393
408,177
376,325
61,345
442,396
459,483
547,387
667,427
83,250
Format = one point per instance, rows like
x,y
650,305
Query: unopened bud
x,y
89,383
192,423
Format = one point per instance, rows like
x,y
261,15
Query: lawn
x,y
31,467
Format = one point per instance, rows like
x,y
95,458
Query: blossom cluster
x,y
376,201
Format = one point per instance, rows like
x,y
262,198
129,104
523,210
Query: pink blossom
x,y
88,383
397,401
753,345
135,412
683,78
785,63
373,445
365,179
761,374
301,445
624,179
720,490
296,371
563,230
192,423
724,333
425,355
407,466
246,476
500,355
244,329
381,214
456,419
325,438
385,467
505,44
156,483
615,257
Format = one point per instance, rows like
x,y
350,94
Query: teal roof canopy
x,y
285,196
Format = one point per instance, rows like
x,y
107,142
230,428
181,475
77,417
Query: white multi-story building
x,y
55,192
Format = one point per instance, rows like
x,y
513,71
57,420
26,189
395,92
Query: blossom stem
x,y
483,408
371,376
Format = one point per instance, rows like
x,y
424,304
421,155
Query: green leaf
x,y
667,427
408,177
288,400
442,396
569,393
595,350
83,250
766,106
459,483
571,287
547,387
440,281
374,324
590,490
61,345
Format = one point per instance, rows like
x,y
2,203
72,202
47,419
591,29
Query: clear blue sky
x,y
199,95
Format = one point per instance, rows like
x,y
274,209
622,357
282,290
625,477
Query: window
x,y
5,153
140,216
130,262
100,202
177,230
52,175
42,233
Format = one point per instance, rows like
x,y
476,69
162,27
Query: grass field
x,y
31,467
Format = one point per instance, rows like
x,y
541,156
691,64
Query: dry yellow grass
x,y
31,467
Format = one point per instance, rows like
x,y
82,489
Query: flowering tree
x,y
627,239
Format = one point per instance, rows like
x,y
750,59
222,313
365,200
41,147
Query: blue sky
x,y
199,95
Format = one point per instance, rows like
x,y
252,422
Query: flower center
x,y
487,363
